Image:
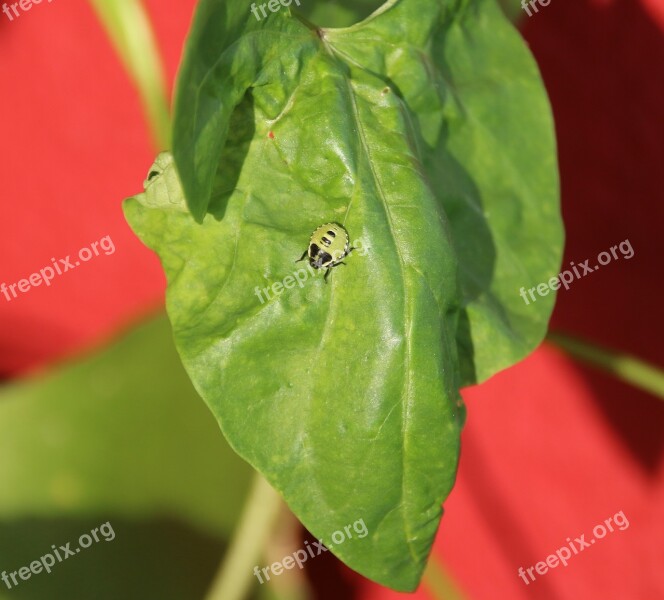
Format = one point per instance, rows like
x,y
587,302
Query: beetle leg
x,y
302,257
326,274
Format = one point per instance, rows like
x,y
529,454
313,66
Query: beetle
x,y
328,246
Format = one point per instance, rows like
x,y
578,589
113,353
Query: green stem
x,y
129,28
234,579
439,583
623,366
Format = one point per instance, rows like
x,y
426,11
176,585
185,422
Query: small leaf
x,y
425,131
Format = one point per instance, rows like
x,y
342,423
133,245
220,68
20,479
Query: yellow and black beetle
x,y
328,246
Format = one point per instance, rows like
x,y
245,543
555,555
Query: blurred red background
x,y
551,448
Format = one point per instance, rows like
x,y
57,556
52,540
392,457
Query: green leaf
x,y
425,130
122,433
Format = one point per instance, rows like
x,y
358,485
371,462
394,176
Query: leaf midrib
x,y
407,319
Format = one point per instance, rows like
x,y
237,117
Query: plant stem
x,y
623,366
129,28
234,578
439,583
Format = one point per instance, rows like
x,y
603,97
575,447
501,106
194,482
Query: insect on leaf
x,y
423,130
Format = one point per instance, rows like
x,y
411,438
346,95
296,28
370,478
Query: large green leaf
x,y
425,130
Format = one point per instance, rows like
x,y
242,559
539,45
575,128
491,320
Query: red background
x,y
551,448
